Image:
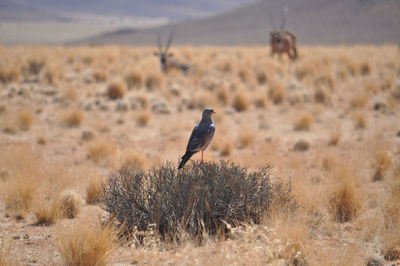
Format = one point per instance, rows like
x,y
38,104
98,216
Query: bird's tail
x,y
185,158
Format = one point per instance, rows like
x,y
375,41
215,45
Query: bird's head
x,y
208,112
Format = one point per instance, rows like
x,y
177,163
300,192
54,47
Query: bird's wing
x,y
201,135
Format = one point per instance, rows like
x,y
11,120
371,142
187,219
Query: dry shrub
x,y
93,191
201,197
72,118
360,120
116,90
335,137
246,138
100,75
321,96
301,145
277,92
25,119
240,102
100,150
70,203
143,118
134,79
303,122
9,75
133,160
46,212
86,243
382,163
153,81
359,100
345,200
391,214
261,77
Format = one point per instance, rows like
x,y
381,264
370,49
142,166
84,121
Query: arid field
x,y
328,124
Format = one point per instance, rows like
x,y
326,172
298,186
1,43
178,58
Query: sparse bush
x,y
152,81
240,102
116,90
303,122
86,244
200,197
134,79
70,204
73,118
143,118
25,120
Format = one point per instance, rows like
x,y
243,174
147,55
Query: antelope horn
x,y
170,38
285,10
271,20
159,43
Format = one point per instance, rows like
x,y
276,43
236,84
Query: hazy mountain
x,y
314,22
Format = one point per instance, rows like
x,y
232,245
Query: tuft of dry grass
x,y
261,77
240,102
133,160
134,79
321,96
116,90
99,150
303,122
93,191
345,200
359,100
143,118
70,203
46,213
277,92
70,93
153,81
360,120
226,148
73,118
25,120
86,244
246,138
19,195
335,137
100,75
382,163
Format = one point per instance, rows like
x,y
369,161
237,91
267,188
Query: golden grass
x,y
153,81
70,203
116,89
303,122
335,137
134,79
100,75
47,212
73,117
360,120
359,100
246,138
86,244
143,118
70,93
133,160
240,102
277,92
100,150
382,162
94,191
25,120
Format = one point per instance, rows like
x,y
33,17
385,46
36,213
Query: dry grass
x,y
100,150
153,81
382,163
47,212
345,200
134,79
143,118
73,118
70,93
359,100
8,257
100,75
303,122
240,102
133,160
19,195
226,148
321,96
93,190
277,92
86,244
70,203
246,138
360,120
116,90
335,137
25,120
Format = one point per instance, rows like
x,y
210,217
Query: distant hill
x,y
314,22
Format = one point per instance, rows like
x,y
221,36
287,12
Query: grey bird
x,y
201,137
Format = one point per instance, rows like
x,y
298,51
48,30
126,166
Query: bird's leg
x,y
202,156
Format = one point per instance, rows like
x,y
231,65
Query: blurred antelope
x,y
165,61
283,41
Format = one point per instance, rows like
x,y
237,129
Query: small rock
x,y
87,135
160,108
301,145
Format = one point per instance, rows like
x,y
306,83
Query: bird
x,y
200,138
